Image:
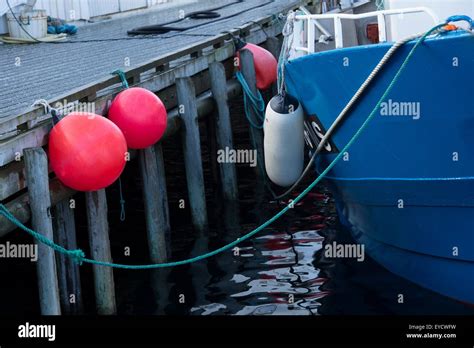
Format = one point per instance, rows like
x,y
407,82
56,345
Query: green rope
x,y
380,4
256,102
122,201
122,77
78,255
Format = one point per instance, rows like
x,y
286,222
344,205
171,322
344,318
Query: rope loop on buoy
x,y
48,109
122,77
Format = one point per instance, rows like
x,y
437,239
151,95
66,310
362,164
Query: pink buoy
x,y
87,152
141,116
265,65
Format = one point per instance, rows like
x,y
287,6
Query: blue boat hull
x,y
406,187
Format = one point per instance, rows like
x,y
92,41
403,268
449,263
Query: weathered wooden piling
x,y
70,290
192,152
159,276
211,144
36,165
100,250
156,202
248,71
163,196
223,129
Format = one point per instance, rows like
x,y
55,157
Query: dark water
x,y
282,271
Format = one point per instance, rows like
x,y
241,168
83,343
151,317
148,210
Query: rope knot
x,y
77,256
289,25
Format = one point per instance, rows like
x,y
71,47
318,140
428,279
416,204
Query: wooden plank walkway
x,y
31,72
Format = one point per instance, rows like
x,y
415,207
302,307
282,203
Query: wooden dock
x,y
198,75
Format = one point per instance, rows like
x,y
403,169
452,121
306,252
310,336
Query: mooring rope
x,y
380,4
79,257
256,102
287,33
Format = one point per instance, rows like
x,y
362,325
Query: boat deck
x,y
48,70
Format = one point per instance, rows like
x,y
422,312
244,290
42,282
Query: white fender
x,y
284,140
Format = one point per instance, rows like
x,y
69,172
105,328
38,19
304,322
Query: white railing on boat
x,y
311,22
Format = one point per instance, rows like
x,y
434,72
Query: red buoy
x,y
265,65
87,151
141,116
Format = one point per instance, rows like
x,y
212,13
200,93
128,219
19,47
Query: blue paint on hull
x,y
406,189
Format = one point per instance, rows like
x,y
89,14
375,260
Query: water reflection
x,y
282,271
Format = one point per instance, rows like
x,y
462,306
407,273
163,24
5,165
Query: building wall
x,y
66,9
104,7
127,5
81,9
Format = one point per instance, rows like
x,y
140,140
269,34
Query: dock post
x,y
157,217
248,71
100,250
38,189
211,145
156,203
223,129
68,270
164,196
192,152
